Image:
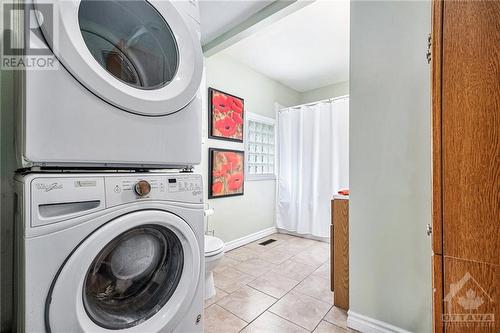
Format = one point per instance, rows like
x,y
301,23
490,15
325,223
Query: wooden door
x,y
466,165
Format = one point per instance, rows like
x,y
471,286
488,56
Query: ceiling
x,y
305,50
217,17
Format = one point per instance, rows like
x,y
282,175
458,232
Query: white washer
x,y
126,88
110,253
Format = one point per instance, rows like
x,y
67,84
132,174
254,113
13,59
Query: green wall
x,y
237,217
390,165
333,90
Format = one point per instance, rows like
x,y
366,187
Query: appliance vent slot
x,y
267,242
66,208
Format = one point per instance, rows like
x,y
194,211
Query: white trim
x,y
270,14
250,116
265,176
369,325
260,118
249,238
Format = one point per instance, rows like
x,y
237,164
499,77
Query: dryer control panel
x,y
175,187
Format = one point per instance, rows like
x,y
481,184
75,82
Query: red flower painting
x,y
226,116
226,127
226,172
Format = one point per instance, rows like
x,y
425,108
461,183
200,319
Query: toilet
x,y
214,251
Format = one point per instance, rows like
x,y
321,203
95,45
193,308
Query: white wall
x,y
236,217
332,90
390,166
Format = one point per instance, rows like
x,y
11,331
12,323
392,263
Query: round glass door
x,y
131,40
139,271
133,277
140,56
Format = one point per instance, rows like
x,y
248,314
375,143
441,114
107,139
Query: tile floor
x,y
280,287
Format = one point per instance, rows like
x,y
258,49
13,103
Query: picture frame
x,y
226,173
226,116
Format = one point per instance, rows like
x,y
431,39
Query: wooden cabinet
x,y
466,165
339,243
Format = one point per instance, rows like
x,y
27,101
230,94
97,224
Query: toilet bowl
x,y
214,251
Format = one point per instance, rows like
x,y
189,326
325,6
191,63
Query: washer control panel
x,y
172,187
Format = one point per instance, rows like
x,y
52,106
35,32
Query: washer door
x,y
141,56
138,273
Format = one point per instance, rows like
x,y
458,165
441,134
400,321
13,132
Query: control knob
x,y
142,188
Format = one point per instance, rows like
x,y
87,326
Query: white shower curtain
x,y
313,164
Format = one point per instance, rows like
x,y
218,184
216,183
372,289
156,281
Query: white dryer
x,y
126,88
110,253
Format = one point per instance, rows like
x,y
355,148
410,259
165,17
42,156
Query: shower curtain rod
x,y
314,103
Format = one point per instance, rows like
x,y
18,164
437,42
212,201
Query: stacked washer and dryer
x,y
104,242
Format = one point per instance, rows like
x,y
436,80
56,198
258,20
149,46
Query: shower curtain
x,y
313,164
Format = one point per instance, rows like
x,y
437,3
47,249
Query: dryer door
x,y
141,56
137,273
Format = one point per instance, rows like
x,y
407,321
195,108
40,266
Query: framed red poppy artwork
x,y
226,173
226,116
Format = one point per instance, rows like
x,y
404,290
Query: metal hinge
x,y
428,55
428,230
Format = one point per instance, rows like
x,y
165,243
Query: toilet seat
x,y
213,246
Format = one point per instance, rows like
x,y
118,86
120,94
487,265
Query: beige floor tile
x,y
337,317
317,287
283,236
219,320
323,245
273,284
242,254
255,246
292,248
247,303
326,327
231,279
315,259
277,241
321,248
300,309
294,270
220,294
225,263
323,270
254,267
270,323
303,241
276,256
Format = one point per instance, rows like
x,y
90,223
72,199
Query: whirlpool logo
x,y
48,187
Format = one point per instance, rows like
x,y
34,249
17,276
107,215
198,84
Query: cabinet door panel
x,y
471,291
341,253
470,130
437,293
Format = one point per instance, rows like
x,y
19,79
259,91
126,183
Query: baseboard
x,y
369,325
249,238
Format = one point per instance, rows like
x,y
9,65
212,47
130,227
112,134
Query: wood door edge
x,y
436,107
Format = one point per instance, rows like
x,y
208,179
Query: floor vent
x,y
267,242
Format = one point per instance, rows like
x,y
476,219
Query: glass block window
x,y
260,147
